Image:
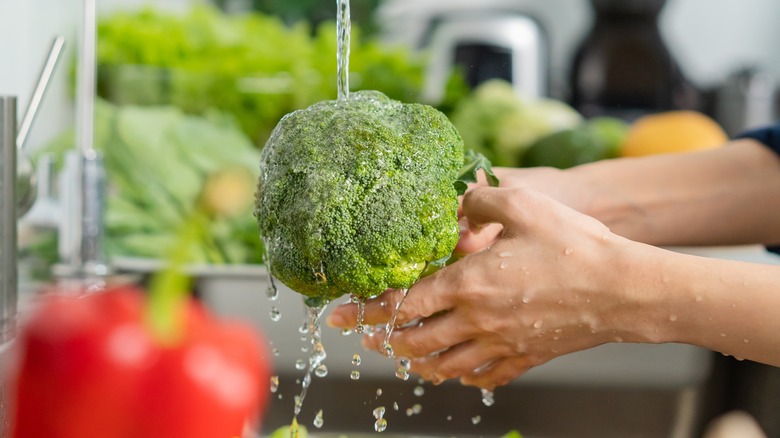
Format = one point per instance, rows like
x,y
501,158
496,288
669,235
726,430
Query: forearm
x,y
729,195
729,307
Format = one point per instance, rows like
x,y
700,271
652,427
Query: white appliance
x,y
489,39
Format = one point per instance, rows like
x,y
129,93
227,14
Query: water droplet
x,y
321,371
380,425
378,392
304,349
555,338
488,398
409,412
416,408
476,419
449,417
733,306
419,391
699,298
395,406
746,341
665,279
504,254
618,339
300,364
526,300
503,265
538,324
274,383
355,375
275,351
605,237
346,332
402,373
356,360
379,412
388,350
568,251
558,330
272,292
359,329
276,315
318,420
672,318
298,403
722,335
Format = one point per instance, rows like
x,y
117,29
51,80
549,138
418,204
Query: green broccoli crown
x,y
356,195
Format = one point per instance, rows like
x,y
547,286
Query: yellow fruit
x,y
672,131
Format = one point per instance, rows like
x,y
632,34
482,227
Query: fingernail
x,y
335,320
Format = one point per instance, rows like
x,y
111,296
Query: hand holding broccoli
x,y
358,195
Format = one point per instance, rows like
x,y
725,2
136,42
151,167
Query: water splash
x,y
317,355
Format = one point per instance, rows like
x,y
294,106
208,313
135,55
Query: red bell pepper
x,y
124,363
91,367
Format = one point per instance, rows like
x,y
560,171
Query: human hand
x,y
548,286
560,185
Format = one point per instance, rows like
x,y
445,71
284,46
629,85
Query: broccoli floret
x,y
357,195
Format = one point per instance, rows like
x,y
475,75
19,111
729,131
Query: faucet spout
x,y
8,243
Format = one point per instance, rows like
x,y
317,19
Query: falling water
x,y
317,354
342,53
387,348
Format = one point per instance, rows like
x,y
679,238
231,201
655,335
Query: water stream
x,y
342,52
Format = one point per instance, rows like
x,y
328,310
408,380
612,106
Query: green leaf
x,y
472,162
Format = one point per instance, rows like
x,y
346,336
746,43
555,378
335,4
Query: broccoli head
x,y
357,195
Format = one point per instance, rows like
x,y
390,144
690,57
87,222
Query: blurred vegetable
x,y
672,131
157,160
89,366
123,363
252,65
494,121
596,139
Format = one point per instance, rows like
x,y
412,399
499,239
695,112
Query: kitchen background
x,y
710,40
615,390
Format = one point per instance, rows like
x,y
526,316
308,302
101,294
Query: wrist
x,y
641,283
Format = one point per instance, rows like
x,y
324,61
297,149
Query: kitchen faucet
x,y
82,186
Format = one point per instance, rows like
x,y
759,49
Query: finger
x,y
458,361
429,337
428,296
487,205
500,373
470,242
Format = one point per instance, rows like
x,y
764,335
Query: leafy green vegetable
x,y
157,162
494,121
474,161
596,139
252,65
357,195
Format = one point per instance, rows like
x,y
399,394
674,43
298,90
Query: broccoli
x,y
357,195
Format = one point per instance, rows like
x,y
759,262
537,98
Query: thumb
x,y
491,205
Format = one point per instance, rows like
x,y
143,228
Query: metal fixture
x,y
83,179
8,248
26,175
